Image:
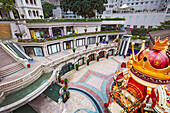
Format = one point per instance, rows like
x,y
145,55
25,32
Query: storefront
x,y
39,33
80,42
34,51
101,54
68,44
57,31
69,30
101,39
66,68
91,40
80,61
92,57
111,52
109,27
53,48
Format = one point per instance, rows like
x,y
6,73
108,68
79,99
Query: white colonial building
x,y
32,9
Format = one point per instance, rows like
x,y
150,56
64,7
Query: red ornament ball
x,y
158,59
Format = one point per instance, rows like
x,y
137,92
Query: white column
x,y
96,39
86,40
75,43
26,13
61,46
65,30
121,52
107,38
50,31
24,3
11,14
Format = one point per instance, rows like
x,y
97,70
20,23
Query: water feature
x,y
53,92
25,109
13,97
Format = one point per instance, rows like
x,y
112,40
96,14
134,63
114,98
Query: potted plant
x,y
46,15
16,16
97,16
86,46
28,65
96,29
107,55
64,89
100,16
20,34
62,81
88,60
124,56
73,31
68,94
77,67
59,78
17,35
63,16
65,80
41,16
97,58
41,34
74,50
85,30
74,16
107,42
22,15
97,43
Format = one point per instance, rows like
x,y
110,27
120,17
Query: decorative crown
x,y
160,45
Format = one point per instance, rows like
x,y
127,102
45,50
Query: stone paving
x,y
95,80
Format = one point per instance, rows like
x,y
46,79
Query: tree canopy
x,y
85,8
164,25
47,9
7,5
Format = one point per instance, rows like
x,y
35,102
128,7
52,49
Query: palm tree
x,y
7,5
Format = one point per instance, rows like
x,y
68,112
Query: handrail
x,y
8,86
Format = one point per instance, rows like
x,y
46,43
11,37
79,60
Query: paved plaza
x,y
89,88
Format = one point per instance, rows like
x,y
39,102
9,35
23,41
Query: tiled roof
x,y
162,34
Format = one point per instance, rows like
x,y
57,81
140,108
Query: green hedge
x,y
114,19
63,37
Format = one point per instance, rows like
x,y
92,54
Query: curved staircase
x,y
8,65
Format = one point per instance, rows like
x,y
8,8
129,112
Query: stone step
x,y
10,69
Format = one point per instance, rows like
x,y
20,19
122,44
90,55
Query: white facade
x,y
32,9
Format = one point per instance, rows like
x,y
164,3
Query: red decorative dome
x,y
141,55
158,59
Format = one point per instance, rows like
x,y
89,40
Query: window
x,y
34,13
141,2
136,3
35,2
37,13
151,2
26,1
80,42
142,26
146,2
156,1
135,26
68,44
91,40
54,48
132,3
29,12
31,1
168,12
149,27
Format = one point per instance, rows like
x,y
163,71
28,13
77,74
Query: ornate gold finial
x,y
160,45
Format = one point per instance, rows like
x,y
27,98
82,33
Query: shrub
x,y
96,29
17,35
85,30
134,37
67,93
143,37
41,16
98,57
74,16
74,49
64,88
86,46
46,16
59,76
65,80
63,16
77,65
22,15
88,60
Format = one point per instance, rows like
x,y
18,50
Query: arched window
x,y
35,2
37,13
34,13
31,1
29,12
26,1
